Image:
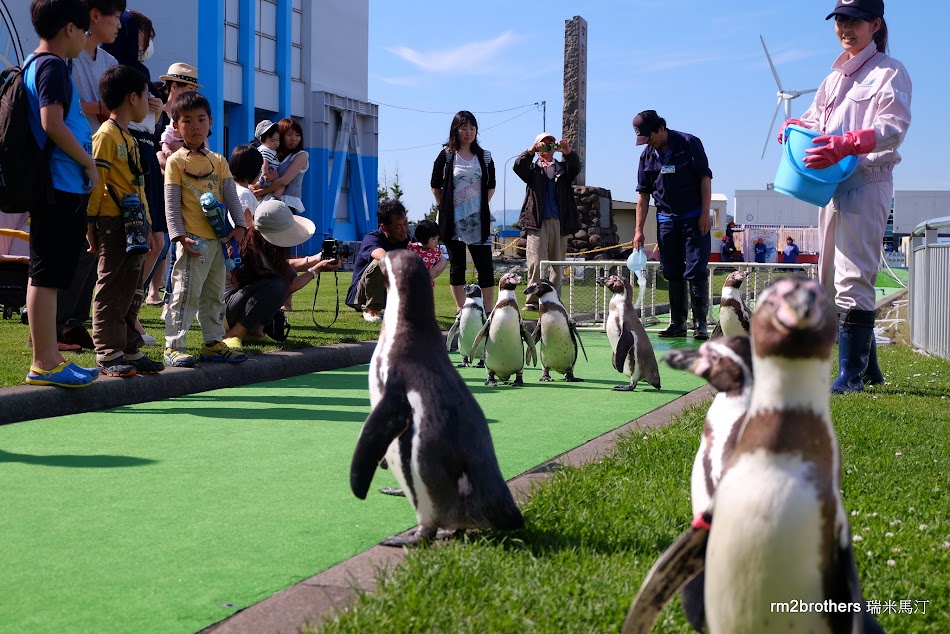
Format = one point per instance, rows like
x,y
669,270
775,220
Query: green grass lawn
x,y
592,533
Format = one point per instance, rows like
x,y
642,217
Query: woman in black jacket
x,y
463,182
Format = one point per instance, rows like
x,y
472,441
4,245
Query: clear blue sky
x,y
698,63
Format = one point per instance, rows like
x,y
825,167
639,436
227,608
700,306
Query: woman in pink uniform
x,y
862,108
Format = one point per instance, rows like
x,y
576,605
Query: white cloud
x,y
473,58
407,81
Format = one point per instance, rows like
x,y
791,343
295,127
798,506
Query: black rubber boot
x,y
855,336
699,299
679,305
873,375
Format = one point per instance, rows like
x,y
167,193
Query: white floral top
x,y
467,177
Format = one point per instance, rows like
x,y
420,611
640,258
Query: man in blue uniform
x,y
675,171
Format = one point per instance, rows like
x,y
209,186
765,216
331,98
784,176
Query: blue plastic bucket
x,y
798,181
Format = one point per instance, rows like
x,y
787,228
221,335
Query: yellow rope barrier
x,y
501,247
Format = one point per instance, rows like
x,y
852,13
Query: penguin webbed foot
x,y
395,491
518,382
490,381
623,388
570,378
481,363
422,535
464,363
545,376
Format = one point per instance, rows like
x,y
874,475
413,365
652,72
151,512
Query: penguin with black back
x,y
777,530
425,421
469,320
734,315
632,351
726,363
505,336
556,333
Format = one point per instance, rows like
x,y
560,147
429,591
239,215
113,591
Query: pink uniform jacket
x,y
870,91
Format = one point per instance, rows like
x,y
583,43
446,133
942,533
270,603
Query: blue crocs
x,y
66,374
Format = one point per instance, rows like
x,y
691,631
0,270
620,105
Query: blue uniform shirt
x,y
673,178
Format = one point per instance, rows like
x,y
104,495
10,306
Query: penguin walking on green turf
x,y
556,333
505,336
425,421
469,320
777,531
633,353
734,315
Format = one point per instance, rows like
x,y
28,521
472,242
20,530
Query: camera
x,y
335,250
551,147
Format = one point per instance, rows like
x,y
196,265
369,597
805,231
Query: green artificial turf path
x,y
170,516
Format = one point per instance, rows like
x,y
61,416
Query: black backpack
x,y
24,167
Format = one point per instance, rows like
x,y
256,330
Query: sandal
x,y
66,374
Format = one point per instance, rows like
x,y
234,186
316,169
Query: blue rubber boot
x,y
855,337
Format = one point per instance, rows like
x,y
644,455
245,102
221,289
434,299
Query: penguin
x,y
556,333
726,363
503,333
633,353
777,532
734,315
468,322
425,421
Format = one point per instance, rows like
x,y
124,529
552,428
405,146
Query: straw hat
x,y
279,226
185,73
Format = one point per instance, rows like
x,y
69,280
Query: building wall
x,y
272,59
914,207
768,207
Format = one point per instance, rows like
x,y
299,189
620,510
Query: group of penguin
x,y
501,343
768,524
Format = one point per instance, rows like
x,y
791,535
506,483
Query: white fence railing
x,y
587,302
930,288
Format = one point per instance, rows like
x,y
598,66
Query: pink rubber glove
x,y
836,148
781,133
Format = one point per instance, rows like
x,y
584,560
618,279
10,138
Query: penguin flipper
x,y
536,335
482,333
624,346
388,420
531,356
717,331
681,359
682,561
860,621
453,331
576,336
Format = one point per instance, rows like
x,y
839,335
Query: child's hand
x,y
91,237
270,175
190,245
237,234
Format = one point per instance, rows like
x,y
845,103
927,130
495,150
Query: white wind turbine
x,y
783,95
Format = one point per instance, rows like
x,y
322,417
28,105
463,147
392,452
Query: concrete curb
x,y
30,402
327,594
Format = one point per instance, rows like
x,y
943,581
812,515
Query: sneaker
x,y
372,316
77,335
116,367
178,358
144,365
66,374
233,342
219,352
148,339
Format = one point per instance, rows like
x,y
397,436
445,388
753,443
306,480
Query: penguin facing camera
x,y
777,529
425,422
505,336
556,333
468,322
734,315
726,363
632,351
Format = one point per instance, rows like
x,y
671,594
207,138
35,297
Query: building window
x,y
232,28
267,36
296,51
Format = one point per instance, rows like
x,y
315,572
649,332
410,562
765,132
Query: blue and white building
x,y
269,59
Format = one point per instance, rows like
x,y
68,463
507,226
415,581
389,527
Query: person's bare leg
x,y
41,307
237,330
458,292
488,298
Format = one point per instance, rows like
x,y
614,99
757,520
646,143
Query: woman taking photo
x,y
463,182
862,108
255,291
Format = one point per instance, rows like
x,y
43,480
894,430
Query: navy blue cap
x,y
860,9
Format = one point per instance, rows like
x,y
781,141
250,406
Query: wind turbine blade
x,y
768,137
788,108
807,92
778,81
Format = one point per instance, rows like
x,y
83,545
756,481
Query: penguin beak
x,y
530,289
602,281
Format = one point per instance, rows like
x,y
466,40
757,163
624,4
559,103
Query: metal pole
x,y
544,117
504,192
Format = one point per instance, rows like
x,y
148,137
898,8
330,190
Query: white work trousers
x,y
851,230
197,289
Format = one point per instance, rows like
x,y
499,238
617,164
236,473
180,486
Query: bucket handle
x,y
787,147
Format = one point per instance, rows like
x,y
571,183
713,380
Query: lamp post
x,y
504,192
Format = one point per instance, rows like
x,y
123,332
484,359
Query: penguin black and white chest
x,y
468,322
632,351
734,315
424,419
726,363
505,336
779,529
555,332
